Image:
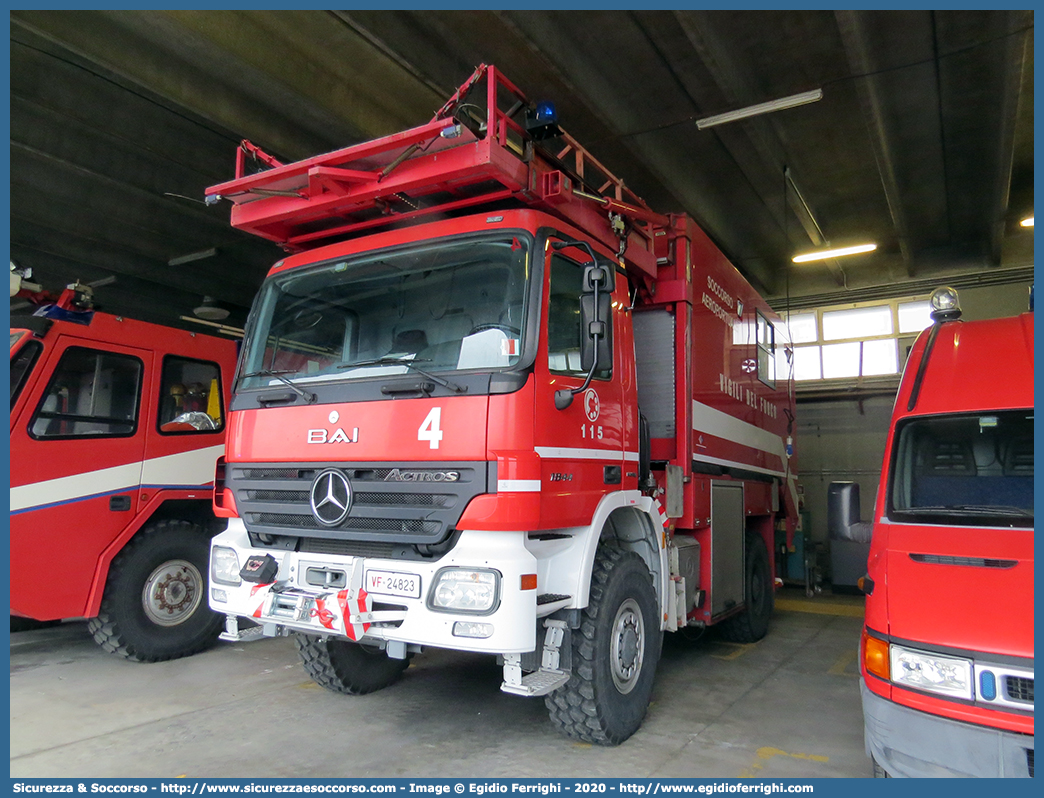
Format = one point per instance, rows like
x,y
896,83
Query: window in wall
x,y
190,397
92,394
854,342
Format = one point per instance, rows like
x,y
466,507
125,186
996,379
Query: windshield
x,y
454,305
973,470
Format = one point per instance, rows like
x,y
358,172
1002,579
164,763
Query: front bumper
x,y
343,610
910,743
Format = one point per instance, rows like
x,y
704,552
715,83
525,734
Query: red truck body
x,y
948,644
425,373
100,469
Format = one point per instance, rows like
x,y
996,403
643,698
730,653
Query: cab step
x,y
537,683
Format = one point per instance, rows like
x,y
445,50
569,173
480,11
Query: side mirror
x,y
596,332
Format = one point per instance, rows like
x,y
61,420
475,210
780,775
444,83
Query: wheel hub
x,y
172,593
628,646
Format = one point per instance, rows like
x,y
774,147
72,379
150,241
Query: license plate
x,y
393,583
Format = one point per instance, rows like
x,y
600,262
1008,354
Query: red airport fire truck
x,y
492,402
947,649
116,426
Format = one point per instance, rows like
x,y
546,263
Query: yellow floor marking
x,y
734,650
767,753
819,608
842,664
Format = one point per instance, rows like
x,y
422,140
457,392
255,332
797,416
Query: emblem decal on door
x,y
592,407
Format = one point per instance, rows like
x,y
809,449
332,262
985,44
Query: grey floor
x,y
785,707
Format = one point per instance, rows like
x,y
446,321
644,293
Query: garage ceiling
x,y
922,142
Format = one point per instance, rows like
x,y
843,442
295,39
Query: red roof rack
x,y
472,153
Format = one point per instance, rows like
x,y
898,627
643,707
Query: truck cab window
x,y
91,394
21,365
190,397
766,335
563,319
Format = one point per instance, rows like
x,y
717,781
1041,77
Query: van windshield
x,y
970,470
453,305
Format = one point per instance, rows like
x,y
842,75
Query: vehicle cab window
x,y
91,394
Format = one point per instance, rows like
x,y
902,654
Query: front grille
x,y
1029,761
415,503
286,521
1019,688
346,548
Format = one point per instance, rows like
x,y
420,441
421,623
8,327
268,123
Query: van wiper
x,y
410,364
306,395
973,509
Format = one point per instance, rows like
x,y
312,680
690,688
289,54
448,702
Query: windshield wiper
x,y
975,509
308,396
410,364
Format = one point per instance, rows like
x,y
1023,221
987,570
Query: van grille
x,y
1019,688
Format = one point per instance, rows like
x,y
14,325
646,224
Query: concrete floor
x,y
785,707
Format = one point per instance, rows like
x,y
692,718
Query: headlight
x,y
933,672
224,566
460,590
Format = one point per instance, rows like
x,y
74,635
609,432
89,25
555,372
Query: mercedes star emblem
x,y
331,496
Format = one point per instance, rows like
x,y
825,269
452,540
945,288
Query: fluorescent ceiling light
x,y
192,256
1027,222
824,254
781,104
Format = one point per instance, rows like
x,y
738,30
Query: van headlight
x,y
224,566
465,590
923,670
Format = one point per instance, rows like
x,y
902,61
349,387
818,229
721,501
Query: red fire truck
x,y
947,650
492,402
116,426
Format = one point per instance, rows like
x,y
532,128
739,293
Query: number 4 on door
x,y
429,429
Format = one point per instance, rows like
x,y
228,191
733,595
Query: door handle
x,y
119,504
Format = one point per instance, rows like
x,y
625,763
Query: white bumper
x,y
345,610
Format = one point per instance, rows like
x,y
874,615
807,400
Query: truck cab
x,y
115,429
947,647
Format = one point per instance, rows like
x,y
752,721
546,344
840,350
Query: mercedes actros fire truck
x,y
492,402
116,427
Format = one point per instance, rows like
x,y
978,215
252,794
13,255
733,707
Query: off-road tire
x,y
169,559
346,667
594,705
751,624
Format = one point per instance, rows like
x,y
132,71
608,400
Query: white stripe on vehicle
x,y
189,469
518,486
560,453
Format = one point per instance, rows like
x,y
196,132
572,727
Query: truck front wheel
x,y
346,667
155,605
615,652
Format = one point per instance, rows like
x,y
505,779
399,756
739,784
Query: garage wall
x,y
844,439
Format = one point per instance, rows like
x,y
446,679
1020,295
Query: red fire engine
x,y
115,429
492,402
948,643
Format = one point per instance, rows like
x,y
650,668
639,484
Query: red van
x,y
947,646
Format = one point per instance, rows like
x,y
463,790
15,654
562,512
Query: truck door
x,y
582,447
77,444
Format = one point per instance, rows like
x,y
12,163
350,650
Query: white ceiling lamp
x,y
210,310
840,252
1027,222
793,101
